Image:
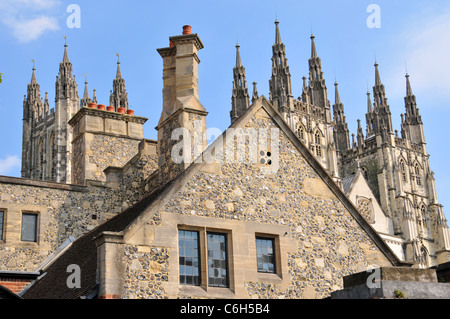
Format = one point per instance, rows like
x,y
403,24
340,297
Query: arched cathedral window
x,y
403,170
365,173
41,158
53,157
417,172
301,132
318,142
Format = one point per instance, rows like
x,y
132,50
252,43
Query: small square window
x,y
29,227
265,254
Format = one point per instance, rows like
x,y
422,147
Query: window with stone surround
x,y
189,257
52,157
403,170
217,260
418,178
196,245
318,141
41,159
29,227
301,132
265,255
2,224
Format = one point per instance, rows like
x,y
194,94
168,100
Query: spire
x,y
280,83
33,105
315,64
46,105
66,86
408,86
341,132
94,97
379,90
381,119
313,47
318,95
370,117
66,54
255,93
84,102
33,76
240,100
336,94
277,33
238,56
377,75
86,90
412,112
119,97
119,72
360,136
369,103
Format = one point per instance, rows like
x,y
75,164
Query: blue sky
x,y
412,35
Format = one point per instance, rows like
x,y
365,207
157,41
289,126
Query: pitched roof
x,y
347,182
5,293
83,252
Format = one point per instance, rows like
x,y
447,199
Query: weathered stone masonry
x,y
326,241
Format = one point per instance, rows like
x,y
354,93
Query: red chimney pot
x,y
187,29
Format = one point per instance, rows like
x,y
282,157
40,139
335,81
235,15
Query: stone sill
x,y
211,292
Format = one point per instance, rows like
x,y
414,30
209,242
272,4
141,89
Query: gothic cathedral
x,y
395,167
400,201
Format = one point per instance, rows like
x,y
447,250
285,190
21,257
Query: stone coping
x,y
38,183
404,274
106,114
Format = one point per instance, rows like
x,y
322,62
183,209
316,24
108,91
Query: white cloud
x,y
9,164
29,30
29,19
426,53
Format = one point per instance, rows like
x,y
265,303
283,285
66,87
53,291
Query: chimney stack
x,y
181,106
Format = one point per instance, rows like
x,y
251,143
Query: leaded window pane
x,y
217,260
29,227
265,255
2,222
189,257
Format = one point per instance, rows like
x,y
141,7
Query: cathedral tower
x,y
66,105
32,112
397,169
